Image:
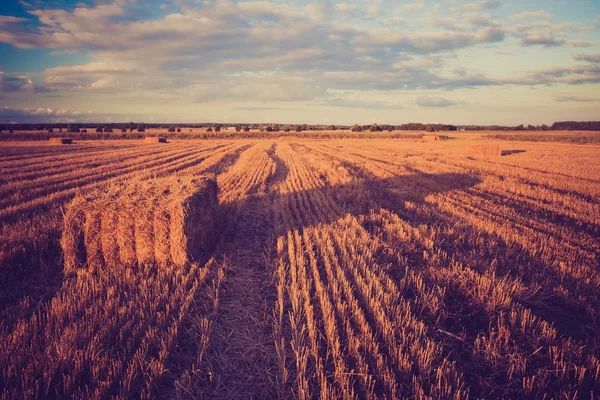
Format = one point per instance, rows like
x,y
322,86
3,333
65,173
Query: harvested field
x,y
486,150
378,268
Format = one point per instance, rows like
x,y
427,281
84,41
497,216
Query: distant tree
x,y
218,128
246,129
123,130
50,130
108,129
11,131
269,128
275,128
60,130
98,130
332,127
375,128
82,131
356,128
298,128
171,129
141,127
178,129
209,129
238,128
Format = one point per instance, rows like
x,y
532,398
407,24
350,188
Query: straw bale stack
x,y
160,221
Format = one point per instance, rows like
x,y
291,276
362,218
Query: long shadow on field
x,y
254,224
240,360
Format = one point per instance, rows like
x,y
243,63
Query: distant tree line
x,y
141,127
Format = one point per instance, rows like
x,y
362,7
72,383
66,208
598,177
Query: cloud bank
x,y
225,52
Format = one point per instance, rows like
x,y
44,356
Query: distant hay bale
x,y
155,139
486,150
162,221
61,141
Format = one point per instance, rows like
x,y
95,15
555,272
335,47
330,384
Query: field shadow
x,y
511,152
402,195
248,230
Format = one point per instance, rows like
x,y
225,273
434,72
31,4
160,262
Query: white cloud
x,y
481,5
541,39
395,21
373,10
20,83
592,58
345,8
532,15
408,8
363,104
46,114
577,99
435,102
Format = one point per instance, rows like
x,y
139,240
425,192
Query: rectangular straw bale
x,y
163,221
126,229
61,140
193,210
72,241
91,236
108,239
143,214
154,139
108,229
162,241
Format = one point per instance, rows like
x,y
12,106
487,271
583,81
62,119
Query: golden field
x,y
350,268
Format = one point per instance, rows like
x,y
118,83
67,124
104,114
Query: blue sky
x,y
341,62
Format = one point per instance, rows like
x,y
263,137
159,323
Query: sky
x,y
327,62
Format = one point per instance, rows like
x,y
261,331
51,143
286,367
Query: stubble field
x,y
343,269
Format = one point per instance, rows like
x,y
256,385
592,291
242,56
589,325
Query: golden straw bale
x,y
61,141
162,241
72,242
193,210
143,214
91,236
108,233
153,139
163,221
126,230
